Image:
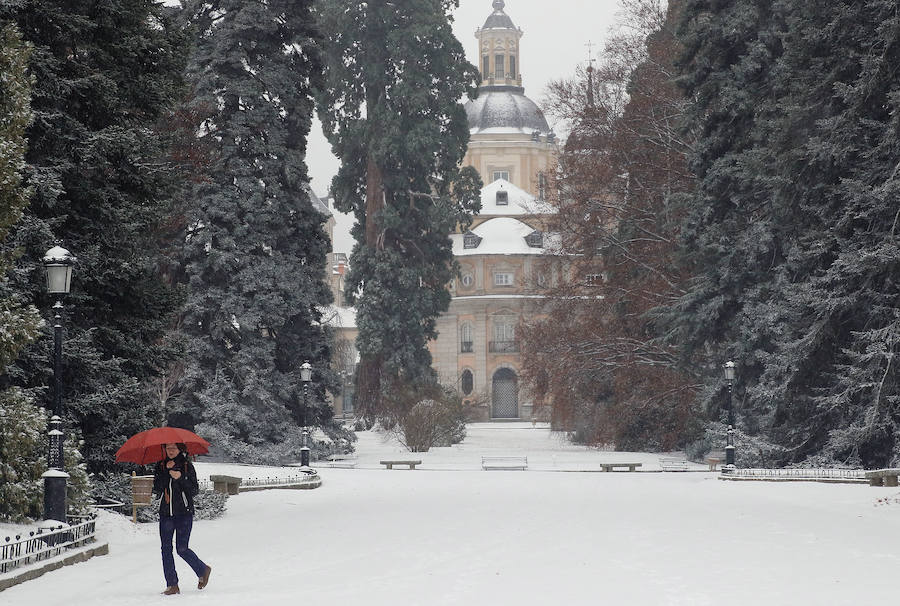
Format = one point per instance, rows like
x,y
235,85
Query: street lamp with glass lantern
x,y
729,447
305,377
58,262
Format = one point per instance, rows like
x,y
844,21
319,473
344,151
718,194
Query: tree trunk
x,y
368,379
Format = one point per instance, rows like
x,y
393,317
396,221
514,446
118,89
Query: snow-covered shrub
x,y
749,450
23,459
422,418
208,505
285,447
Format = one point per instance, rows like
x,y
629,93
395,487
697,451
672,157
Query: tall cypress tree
x,y
255,249
105,74
391,110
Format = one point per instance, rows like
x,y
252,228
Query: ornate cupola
x,y
498,44
509,135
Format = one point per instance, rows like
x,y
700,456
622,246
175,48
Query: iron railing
x,y
798,473
466,347
44,544
263,482
503,347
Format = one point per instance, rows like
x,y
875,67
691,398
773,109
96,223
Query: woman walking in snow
x,y
175,480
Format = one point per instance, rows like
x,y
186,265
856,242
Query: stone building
x,y
502,266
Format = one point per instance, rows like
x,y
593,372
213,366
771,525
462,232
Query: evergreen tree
x,y
255,249
23,426
793,228
391,109
20,321
105,74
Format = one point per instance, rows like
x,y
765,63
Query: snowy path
x,y
373,537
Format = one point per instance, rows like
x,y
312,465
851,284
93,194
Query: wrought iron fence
x,y
798,473
261,482
44,544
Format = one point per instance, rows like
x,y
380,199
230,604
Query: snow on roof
x,y
520,202
339,317
499,236
315,201
504,107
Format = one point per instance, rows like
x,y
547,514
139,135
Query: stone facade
x,y
502,266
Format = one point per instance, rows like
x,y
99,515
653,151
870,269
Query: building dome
x,y
505,108
498,19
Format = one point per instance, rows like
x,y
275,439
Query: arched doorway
x,y
505,395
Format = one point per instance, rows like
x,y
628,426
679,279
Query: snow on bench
x,y
883,477
614,466
505,463
344,461
673,464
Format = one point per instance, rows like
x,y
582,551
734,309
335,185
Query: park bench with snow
x,y
344,461
673,464
411,464
714,459
882,477
622,466
225,484
504,463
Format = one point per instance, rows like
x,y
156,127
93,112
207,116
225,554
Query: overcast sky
x,y
554,43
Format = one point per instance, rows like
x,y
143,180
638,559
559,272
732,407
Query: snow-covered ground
x,y
449,533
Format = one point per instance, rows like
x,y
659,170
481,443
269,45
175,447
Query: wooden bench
x,y
410,464
225,484
713,461
883,477
614,466
344,461
673,464
511,463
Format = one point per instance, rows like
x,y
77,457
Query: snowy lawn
x,y
439,536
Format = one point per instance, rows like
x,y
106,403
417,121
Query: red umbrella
x,y
147,447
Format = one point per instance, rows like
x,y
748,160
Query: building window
x,y
535,239
512,67
504,337
500,174
499,66
503,278
466,345
471,240
502,198
486,70
593,279
542,186
467,280
467,382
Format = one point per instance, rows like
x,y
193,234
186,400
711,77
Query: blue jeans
x,y
180,526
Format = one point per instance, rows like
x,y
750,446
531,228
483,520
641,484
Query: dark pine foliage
x,y
105,74
254,247
793,232
390,108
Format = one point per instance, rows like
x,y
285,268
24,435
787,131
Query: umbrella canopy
x,y
147,447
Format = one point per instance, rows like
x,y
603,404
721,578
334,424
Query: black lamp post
x,y
305,377
729,447
58,263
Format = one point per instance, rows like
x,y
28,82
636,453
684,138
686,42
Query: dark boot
x,y
204,579
172,590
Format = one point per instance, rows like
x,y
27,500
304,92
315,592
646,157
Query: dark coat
x,y
177,495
